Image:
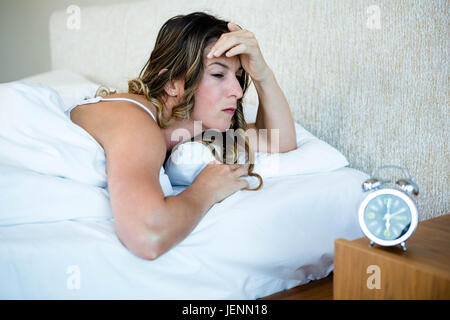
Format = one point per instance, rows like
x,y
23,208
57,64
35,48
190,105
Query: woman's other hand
x,y
221,179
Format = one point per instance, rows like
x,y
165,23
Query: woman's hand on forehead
x,y
243,43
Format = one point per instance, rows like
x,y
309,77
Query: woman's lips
x,y
229,111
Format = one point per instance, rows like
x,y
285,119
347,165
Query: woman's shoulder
x,y
104,120
136,97
131,115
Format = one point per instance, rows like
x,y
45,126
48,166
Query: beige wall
x,y
380,96
24,34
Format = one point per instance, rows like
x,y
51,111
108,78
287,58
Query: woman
x,y
200,66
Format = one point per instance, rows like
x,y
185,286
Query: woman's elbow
x,y
286,147
289,148
147,252
152,247
145,245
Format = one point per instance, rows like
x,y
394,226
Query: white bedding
x,y
57,237
244,248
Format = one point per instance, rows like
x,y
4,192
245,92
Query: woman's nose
x,y
235,88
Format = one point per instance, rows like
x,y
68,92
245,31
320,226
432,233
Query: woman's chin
x,y
221,127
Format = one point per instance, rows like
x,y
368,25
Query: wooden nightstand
x,y
422,272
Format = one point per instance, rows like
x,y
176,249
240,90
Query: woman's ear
x,y
174,88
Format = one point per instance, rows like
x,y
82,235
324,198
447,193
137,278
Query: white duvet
x,y
57,237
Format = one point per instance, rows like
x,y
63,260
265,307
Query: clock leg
x,y
403,246
371,244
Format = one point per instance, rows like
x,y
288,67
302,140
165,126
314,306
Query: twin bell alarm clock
x,y
388,215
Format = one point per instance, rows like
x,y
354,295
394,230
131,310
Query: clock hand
x,y
388,220
388,206
398,212
387,215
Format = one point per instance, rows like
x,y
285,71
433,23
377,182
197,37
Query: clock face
x,y
387,217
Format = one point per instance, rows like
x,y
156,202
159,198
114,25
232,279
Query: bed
x,y
57,238
232,254
249,246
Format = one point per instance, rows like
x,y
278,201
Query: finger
x,y
243,183
235,166
233,26
232,167
239,49
226,45
242,171
226,41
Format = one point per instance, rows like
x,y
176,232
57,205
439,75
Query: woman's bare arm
x,y
146,222
274,113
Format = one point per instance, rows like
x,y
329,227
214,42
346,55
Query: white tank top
x,y
163,178
97,99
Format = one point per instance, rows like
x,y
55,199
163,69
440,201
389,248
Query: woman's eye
x,y
217,75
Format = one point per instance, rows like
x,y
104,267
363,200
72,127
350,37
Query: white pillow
x,y
311,156
72,87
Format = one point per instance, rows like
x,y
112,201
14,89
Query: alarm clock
x,y
388,215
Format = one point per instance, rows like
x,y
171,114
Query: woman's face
x,y
219,89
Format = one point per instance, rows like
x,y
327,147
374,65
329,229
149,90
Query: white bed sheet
x,y
250,245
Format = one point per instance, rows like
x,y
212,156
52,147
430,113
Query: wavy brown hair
x,y
179,48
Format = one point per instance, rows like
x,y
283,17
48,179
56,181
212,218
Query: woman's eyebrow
x,y
224,65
